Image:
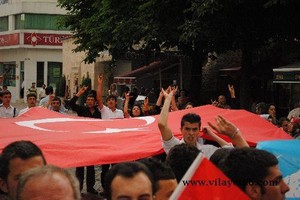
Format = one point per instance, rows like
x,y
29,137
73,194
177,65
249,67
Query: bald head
x,y
48,182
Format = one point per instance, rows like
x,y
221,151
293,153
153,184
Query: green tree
x,y
195,27
117,25
113,25
245,25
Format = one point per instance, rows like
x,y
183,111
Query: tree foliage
x,y
245,25
231,24
196,27
113,25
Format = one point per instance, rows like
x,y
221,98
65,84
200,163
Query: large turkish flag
x,y
70,141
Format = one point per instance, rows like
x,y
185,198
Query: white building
x,y
30,43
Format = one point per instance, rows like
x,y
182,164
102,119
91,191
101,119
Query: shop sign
x,y
56,72
9,39
44,39
287,76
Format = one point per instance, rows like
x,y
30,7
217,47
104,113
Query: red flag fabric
x,y
204,180
70,141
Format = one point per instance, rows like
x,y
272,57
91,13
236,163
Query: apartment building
x,y
30,44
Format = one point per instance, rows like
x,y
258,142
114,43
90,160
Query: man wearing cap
x,y
32,89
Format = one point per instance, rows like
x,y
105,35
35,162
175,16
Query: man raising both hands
x,y
110,111
89,110
190,129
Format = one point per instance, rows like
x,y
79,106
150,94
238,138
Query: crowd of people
x,y
290,124
24,173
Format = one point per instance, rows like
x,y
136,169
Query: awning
x,y
124,80
287,74
230,69
147,68
292,82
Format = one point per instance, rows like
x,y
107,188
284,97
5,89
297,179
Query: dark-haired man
x,y
6,109
256,172
130,180
31,102
190,130
15,159
89,110
50,93
180,158
54,104
163,176
110,111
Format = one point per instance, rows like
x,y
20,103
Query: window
x,y
39,74
286,97
3,24
54,73
37,21
8,71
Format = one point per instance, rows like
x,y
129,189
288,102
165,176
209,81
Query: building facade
x,y
30,44
74,68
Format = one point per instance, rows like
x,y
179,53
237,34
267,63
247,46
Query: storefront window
x,y
54,73
287,87
39,74
8,71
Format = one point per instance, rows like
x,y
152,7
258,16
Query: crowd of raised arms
x,y
24,173
136,102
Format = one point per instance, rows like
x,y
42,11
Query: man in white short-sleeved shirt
x,y
190,129
110,111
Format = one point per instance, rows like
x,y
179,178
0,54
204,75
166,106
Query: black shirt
x,y
83,111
